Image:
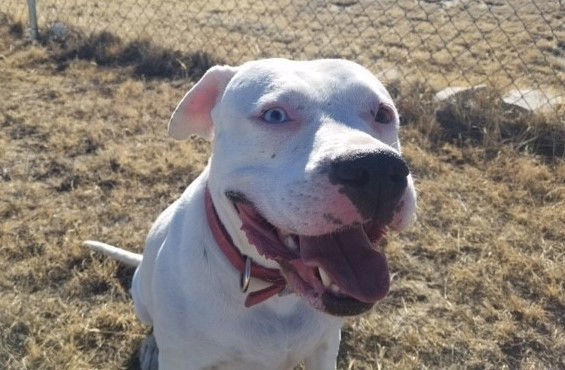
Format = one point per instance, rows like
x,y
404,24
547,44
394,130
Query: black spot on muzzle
x,y
374,182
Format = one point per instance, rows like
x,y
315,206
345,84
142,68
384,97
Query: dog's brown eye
x,y
384,115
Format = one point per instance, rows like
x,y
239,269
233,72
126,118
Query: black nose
x,y
374,182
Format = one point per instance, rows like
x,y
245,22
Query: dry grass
x,y
479,280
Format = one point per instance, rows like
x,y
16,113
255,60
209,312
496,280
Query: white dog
x,y
258,262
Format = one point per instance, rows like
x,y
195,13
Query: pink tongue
x,y
350,261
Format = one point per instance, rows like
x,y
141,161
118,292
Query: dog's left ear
x,y
192,114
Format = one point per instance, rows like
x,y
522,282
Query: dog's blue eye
x,y
275,115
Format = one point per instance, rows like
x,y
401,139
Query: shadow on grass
x,y
132,362
125,276
345,347
142,57
11,28
485,120
482,120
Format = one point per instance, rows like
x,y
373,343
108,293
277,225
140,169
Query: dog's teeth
x,y
334,288
325,278
290,243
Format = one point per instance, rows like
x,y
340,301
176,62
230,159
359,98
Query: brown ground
x,y
478,280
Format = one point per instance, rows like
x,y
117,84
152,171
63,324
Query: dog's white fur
x,y
184,286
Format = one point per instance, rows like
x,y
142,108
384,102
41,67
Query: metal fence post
x,y
33,19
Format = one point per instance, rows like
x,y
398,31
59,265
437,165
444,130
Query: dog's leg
x,y
148,354
325,356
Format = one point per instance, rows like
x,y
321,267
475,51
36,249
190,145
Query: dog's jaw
x,y
340,273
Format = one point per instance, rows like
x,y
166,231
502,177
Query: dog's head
x,y
306,170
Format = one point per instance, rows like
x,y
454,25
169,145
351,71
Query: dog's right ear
x,y
192,114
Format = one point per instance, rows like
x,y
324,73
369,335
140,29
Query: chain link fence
x,y
515,46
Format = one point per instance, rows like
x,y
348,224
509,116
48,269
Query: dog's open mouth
x,y
341,273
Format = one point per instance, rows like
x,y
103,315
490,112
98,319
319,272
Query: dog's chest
x,y
267,336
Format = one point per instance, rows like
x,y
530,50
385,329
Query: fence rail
x,y
512,45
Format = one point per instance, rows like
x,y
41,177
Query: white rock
x,y
532,99
454,92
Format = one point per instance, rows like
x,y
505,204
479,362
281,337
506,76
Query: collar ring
x,y
245,275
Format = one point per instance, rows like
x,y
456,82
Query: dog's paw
x,y
148,354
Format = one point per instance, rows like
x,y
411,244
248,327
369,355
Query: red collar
x,y
224,241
